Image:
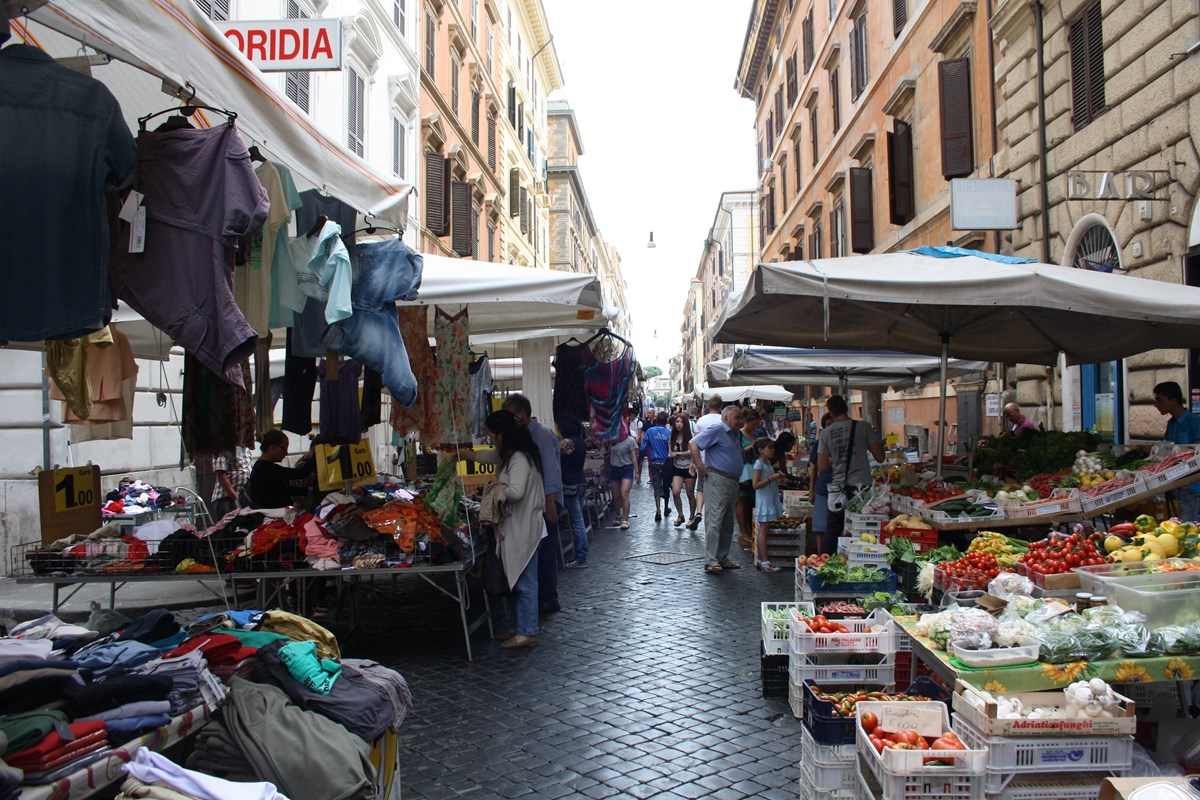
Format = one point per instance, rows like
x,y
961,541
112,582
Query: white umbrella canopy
x,y
963,304
734,394
718,372
859,369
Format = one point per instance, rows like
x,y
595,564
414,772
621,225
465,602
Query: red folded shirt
x,y
57,758
52,743
215,647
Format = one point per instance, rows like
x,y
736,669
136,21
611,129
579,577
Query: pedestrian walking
x,y
683,473
712,417
844,445
623,464
720,446
654,451
768,502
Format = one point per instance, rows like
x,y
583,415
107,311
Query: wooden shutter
x,y
854,88
514,192
770,209
835,95
460,226
1085,39
475,232
864,69
355,111
512,104
447,175
954,85
779,111
809,55
1095,47
475,116
524,209
792,85
899,16
900,174
816,145
491,151
397,147
862,211
435,218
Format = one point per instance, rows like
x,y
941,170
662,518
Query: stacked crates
x,y
863,657
773,650
909,775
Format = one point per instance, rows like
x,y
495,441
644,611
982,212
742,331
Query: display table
x,y
88,780
1051,676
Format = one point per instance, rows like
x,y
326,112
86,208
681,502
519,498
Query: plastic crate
x,y
1050,583
775,635
1096,578
773,670
934,515
821,670
1155,479
864,523
826,768
807,791
1091,502
825,727
866,554
1053,787
875,634
795,695
923,539
1008,756
888,584
1166,598
904,775
1061,501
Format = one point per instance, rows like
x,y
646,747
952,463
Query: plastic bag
x,y
1111,615
1010,633
1144,766
1008,585
1021,607
978,640
973,627
1136,641
1172,639
1058,647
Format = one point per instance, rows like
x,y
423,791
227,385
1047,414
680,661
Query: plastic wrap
x,y
1009,585
972,623
1022,607
1012,632
977,640
1136,641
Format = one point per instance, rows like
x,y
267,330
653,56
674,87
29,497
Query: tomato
x,y
907,737
869,721
904,746
819,620
877,743
921,743
946,743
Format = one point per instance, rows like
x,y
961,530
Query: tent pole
x,y
942,405
45,415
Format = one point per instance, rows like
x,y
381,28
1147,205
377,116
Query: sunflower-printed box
x,y
982,710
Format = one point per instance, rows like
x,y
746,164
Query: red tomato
x,y
877,743
907,737
869,721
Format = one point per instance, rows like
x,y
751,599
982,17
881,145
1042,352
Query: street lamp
x,y
651,245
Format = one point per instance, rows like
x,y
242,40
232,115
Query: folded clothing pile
x,y
155,776
64,749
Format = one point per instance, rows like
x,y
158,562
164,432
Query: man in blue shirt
x,y
1182,428
656,446
717,456
550,450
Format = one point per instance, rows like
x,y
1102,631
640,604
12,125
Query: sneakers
x,y
576,564
767,566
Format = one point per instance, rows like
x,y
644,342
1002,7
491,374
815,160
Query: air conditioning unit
x,y
768,164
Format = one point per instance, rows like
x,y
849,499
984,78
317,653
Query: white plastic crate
x,y
809,792
875,634
796,699
903,640
1187,467
864,523
1092,502
866,554
1009,756
1061,501
1085,786
904,775
933,515
827,767
775,631
821,670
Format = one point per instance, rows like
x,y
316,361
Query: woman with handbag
x,y
522,525
845,444
683,473
745,502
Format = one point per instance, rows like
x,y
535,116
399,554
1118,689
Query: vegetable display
x,y
1006,549
972,571
822,624
908,740
844,702
1058,555
842,607
835,571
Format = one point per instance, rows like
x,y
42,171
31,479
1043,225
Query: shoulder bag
x,y
837,494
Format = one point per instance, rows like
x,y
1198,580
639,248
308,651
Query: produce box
x,y
1049,583
1183,462
773,670
980,708
816,585
875,634
826,767
857,524
904,775
830,728
923,539
1079,786
995,657
776,625
866,554
1009,756
1061,501
859,669
1166,598
1091,502
1096,578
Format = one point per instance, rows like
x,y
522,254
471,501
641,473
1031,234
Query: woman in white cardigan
x,y
523,525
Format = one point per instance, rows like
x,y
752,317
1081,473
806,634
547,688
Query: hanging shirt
x,y
252,280
65,143
321,266
281,316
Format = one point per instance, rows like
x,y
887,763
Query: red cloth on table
x,y
52,744
57,758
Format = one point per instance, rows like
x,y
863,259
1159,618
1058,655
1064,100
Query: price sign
x,y
466,468
337,464
69,501
926,721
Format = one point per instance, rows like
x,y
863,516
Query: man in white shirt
x,y
710,418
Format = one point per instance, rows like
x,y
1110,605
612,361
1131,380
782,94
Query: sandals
x,y
713,569
694,523
678,520
624,526
766,566
731,565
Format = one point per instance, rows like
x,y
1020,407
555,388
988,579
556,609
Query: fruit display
x,y
908,740
1111,484
822,624
907,521
1006,549
1146,539
788,523
1061,554
932,492
813,561
972,571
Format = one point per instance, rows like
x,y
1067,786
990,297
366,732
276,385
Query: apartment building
x,y
486,67
1103,141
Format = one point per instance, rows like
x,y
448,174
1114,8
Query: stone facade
x,y
1147,123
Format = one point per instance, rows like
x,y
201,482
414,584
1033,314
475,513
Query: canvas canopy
x,y
735,394
859,369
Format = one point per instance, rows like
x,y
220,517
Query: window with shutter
x,y
430,40
475,232
862,211
809,52
858,57
783,186
491,147
399,15
796,159
954,85
812,127
770,134
521,121
447,177
215,9
835,97
792,82
512,105
759,163
296,82
899,16
399,133
355,111
474,20
460,217
514,192
779,111
770,211
454,85
489,50
435,218
900,174
837,244
475,116
523,199
1085,39
817,245
491,241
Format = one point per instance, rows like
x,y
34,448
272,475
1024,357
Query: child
x,y
768,504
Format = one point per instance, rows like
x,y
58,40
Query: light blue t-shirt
x,y
1185,429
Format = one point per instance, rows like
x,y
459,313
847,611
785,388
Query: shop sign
x,y
338,465
983,204
68,501
1132,185
467,469
278,45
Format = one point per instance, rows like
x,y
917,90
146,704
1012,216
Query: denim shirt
x,y
65,142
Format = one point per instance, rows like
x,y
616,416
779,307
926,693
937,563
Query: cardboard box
x,y
980,709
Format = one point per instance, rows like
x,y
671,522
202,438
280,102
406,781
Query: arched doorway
x,y
1101,387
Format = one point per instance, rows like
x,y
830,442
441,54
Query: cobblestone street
x,y
646,684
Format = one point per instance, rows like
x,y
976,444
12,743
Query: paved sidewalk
x,y
646,684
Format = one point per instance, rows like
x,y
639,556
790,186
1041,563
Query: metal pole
x,y
45,414
942,405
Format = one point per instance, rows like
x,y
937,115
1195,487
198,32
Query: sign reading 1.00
x,y
73,489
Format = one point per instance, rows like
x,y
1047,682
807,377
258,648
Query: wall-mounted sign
x,y
1136,184
277,45
69,501
983,204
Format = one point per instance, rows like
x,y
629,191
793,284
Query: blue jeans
x,y
384,272
547,558
575,509
523,604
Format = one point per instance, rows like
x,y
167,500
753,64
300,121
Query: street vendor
x,y
1182,428
273,485
1019,422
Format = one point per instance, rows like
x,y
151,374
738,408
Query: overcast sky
x,y
664,133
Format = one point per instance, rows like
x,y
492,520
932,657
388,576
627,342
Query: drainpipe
x,y
1044,187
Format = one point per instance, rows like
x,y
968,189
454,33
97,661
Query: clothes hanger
x,y
256,154
372,228
182,114
316,228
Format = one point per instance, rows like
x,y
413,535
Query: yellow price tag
x,y
337,464
73,489
466,468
